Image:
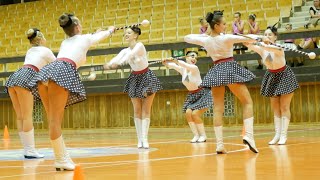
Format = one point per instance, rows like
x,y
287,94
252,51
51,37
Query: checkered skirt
x,y
199,100
276,84
226,73
142,85
20,78
65,75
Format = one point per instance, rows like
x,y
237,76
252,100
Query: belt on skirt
x,y
140,72
31,67
223,60
277,70
68,60
195,91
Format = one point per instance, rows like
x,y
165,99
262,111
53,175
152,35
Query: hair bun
x,y
65,20
209,17
136,29
219,13
30,32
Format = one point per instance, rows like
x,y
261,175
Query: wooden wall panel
x,y
116,111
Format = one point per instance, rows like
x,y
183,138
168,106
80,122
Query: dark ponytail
x,y
274,29
214,18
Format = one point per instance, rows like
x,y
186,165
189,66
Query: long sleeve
x,y
96,37
230,38
119,59
138,50
189,67
175,66
198,39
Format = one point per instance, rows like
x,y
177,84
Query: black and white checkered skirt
x,y
279,83
226,73
20,78
199,100
142,85
65,75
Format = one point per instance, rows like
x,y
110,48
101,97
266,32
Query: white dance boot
x,y
219,138
248,137
284,130
62,158
27,140
202,132
145,129
194,130
277,129
137,123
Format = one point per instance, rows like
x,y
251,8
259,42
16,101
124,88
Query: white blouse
x,y
39,56
190,74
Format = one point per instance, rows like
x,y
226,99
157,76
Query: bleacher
x,y
171,19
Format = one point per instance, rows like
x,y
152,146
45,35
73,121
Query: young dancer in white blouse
x,y
20,94
141,85
226,72
198,99
59,83
279,83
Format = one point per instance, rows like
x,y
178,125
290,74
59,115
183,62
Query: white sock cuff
x,y
217,127
249,119
276,117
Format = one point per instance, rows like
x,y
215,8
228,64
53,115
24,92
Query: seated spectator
x,y
254,29
203,30
238,28
315,13
308,43
204,26
289,43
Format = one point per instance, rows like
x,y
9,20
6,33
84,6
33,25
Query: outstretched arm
x,y
100,35
198,39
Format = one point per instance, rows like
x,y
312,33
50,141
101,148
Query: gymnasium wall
x,y
115,110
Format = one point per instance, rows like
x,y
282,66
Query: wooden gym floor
x,y
111,154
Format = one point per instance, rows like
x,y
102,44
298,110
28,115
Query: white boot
x,y
202,132
62,158
284,130
277,128
145,129
29,146
219,138
248,137
137,123
194,130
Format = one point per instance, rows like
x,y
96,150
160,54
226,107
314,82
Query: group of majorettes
x,y
56,82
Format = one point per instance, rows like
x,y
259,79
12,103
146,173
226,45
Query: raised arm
x,y
100,35
189,67
198,39
230,38
173,65
118,60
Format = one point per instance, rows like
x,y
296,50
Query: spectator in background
x,y
204,26
254,29
203,30
308,43
315,13
238,28
289,43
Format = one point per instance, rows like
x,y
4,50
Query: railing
x,y
104,84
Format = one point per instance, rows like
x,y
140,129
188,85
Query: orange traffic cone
x,y
243,131
78,173
6,133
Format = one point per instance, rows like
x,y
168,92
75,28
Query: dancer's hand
x,y
106,66
112,29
